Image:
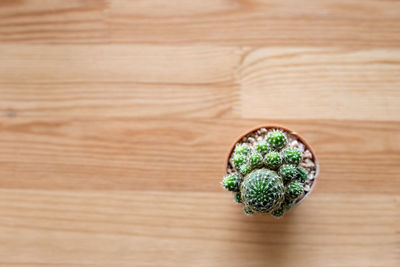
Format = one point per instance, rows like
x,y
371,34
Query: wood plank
x,y
118,99
338,84
262,22
117,63
180,228
320,83
169,154
371,23
71,21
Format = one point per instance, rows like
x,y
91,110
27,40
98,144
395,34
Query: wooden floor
x,y
116,116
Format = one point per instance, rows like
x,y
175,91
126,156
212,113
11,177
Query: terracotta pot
x,y
299,137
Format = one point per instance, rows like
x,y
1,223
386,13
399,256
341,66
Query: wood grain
x,y
314,82
372,23
116,116
169,154
317,81
77,229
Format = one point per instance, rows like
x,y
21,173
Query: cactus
x,y
237,198
263,148
255,160
273,160
276,140
301,175
293,190
291,155
245,169
239,160
242,149
287,172
267,178
278,212
262,190
232,182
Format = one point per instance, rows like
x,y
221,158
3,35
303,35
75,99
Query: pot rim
x,y
275,126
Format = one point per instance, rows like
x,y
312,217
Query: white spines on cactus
x,y
262,190
276,140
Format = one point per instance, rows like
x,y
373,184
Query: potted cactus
x,y
270,170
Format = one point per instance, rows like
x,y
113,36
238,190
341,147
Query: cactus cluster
x,y
267,178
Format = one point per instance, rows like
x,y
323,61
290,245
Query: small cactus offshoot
x,y
267,178
242,149
293,190
255,160
232,182
263,148
239,159
287,172
291,155
273,160
277,139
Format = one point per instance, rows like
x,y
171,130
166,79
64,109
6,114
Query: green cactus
x,y
291,155
262,190
237,197
293,190
273,160
255,160
287,172
278,212
276,140
245,169
242,150
239,160
232,182
263,148
267,178
301,174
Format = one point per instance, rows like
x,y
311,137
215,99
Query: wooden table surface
x,y
116,116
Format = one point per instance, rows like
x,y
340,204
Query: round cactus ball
x,y
293,190
239,160
273,160
255,160
276,140
232,182
287,172
263,148
291,155
242,149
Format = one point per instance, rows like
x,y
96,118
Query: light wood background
x,y
116,116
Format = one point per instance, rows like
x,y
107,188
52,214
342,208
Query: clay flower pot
x,y
252,138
